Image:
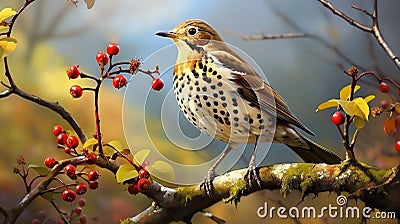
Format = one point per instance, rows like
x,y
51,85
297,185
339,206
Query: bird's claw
x,y
252,175
207,182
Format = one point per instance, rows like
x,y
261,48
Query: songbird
x,y
223,96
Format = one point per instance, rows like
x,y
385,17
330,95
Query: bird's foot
x,y
252,175
207,182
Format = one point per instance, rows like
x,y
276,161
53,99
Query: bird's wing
x,y
254,89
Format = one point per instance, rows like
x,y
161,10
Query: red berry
x,y
398,145
102,58
112,49
70,170
81,188
72,142
143,173
73,72
82,202
91,158
157,84
50,162
93,175
337,118
68,195
78,211
58,129
61,138
133,189
119,81
144,185
94,184
384,87
83,219
76,91
67,150
384,104
35,221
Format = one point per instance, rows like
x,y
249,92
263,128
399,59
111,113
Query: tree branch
x,y
374,29
262,36
367,183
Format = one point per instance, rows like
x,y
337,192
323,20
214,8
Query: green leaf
x,y
48,195
7,46
162,170
345,92
141,156
6,13
90,143
42,170
116,145
125,172
327,104
359,123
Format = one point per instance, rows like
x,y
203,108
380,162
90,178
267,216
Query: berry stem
x,y
97,117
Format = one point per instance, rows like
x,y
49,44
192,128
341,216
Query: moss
x,y
235,192
127,221
186,194
298,176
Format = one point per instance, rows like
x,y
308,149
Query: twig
x,y
374,29
274,36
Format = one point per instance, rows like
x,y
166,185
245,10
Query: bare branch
x,y
5,93
274,36
345,17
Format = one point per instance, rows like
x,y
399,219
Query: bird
x,y
224,97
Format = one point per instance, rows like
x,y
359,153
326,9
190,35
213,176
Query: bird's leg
x,y
207,182
251,173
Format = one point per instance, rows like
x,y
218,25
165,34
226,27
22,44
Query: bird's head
x,y
195,34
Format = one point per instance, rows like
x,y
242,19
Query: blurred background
x,y
306,71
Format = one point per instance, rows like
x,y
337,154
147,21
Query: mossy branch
x,y
378,188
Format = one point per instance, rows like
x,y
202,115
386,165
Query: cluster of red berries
x,y
69,195
118,81
141,184
69,144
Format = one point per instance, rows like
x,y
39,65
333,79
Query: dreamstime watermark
x,y
338,210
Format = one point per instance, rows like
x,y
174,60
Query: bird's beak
x,y
169,35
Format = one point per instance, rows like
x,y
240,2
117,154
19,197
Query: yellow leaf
x,y
327,104
89,144
6,13
125,172
363,106
389,125
141,156
350,108
7,45
369,98
345,91
162,170
116,145
3,29
359,123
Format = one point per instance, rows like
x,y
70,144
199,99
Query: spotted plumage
x,y
224,97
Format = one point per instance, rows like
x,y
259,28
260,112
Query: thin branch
x,y
345,17
262,36
374,29
56,107
3,211
5,93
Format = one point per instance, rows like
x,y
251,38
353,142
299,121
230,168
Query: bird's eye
x,y
192,31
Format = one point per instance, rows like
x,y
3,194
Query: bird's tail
x,y
316,153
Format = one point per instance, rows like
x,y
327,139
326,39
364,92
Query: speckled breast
x,y
210,101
